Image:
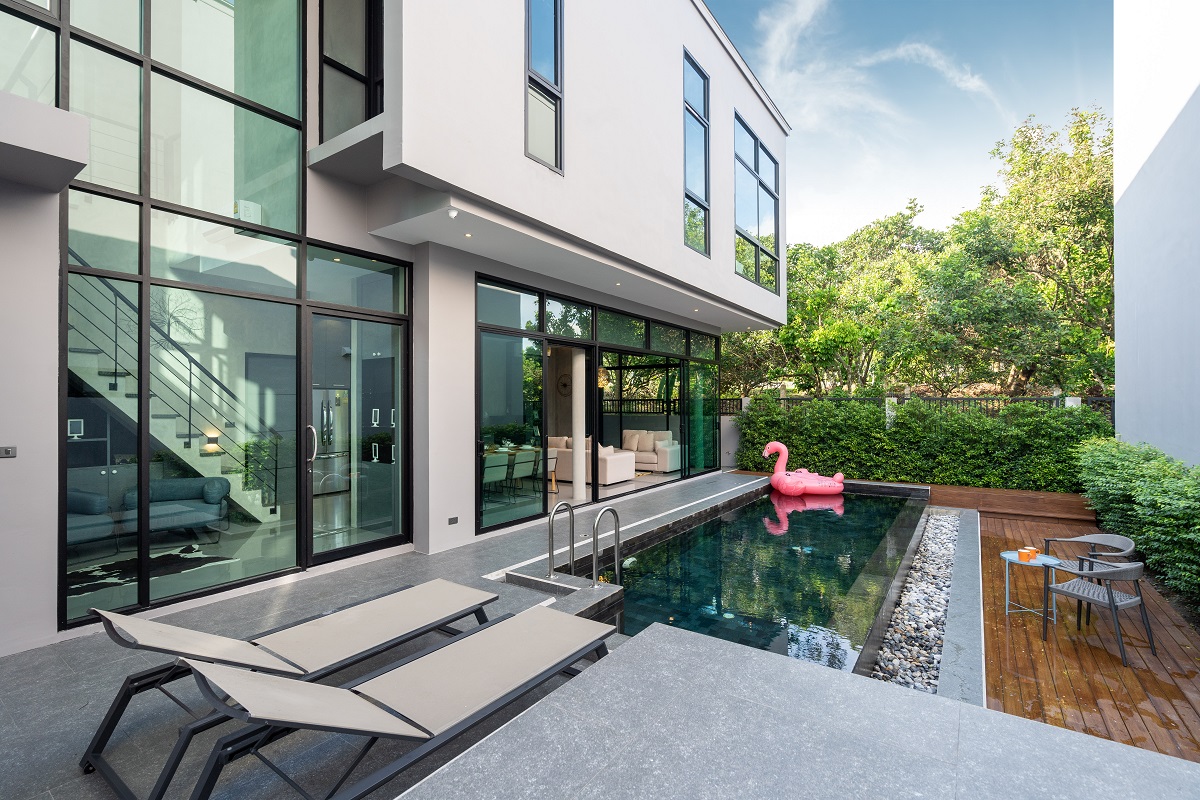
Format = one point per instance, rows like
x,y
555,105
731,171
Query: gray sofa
x,y
88,519
190,504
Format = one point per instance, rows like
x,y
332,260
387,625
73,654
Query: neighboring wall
x,y
1157,118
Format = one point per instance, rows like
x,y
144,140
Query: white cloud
x,y
853,154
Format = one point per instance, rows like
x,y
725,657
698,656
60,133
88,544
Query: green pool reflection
x,y
807,584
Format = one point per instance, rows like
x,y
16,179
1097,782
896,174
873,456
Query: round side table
x,y
1012,557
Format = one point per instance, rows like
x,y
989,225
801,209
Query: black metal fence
x,y
731,406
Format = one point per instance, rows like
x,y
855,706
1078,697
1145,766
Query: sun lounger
x,y
427,699
305,651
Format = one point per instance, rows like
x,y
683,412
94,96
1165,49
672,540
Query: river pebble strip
x,y
911,653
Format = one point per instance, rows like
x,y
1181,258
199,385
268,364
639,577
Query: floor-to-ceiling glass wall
x,y
554,371
185,393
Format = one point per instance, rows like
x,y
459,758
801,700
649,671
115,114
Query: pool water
x,y
807,584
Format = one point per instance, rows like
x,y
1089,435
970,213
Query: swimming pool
x,y
808,584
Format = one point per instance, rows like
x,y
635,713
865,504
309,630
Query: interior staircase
x,y
188,404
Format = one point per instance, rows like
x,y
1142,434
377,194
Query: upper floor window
x,y
756,209
543,70
351,64
695,156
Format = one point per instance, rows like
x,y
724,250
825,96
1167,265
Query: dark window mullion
x,y
329,61
222,94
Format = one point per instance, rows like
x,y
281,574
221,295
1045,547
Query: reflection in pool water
x,y
772,575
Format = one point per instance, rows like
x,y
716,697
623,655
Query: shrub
x,y
1026,446
1140,492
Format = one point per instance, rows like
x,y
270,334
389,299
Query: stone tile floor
x,y
675,714
52,698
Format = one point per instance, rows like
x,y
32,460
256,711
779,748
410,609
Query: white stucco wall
x,y
29,483
1157,118
461,126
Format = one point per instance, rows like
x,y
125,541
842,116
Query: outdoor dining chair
x,y
1093,584
1119,547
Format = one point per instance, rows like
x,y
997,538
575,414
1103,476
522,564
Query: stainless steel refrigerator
x,y
332,464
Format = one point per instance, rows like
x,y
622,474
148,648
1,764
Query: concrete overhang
x,y
483,231
40,145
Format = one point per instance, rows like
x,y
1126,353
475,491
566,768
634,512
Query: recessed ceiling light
x,y
696,310
337,259
467,235
618,283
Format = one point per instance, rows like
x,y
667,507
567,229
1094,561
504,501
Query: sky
x,y
895,99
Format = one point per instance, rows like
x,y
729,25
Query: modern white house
x,y
1157,167
292,281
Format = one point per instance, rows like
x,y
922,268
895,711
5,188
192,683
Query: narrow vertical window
x,y
351,64
756,209
543,70
695,156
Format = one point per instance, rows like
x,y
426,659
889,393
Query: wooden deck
x,y
1075,679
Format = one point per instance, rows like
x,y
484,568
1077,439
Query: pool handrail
x,y
616,546
571,518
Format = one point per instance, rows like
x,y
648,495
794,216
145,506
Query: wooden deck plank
x,y
1075,679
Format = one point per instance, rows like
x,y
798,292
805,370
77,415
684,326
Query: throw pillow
x,y
556,442
606,450
646,443
568,445
629,440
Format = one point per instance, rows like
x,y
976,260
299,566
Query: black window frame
x,y
554,91
372,81
701,116
773,190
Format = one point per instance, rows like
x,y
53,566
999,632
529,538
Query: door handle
x,y
313,431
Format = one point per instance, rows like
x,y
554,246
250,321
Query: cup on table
x,y
1024,555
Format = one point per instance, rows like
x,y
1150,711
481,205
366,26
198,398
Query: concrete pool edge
x,y
962,669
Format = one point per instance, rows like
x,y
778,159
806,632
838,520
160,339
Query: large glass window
x,y
223,378
28,61
668,339
251,49
102,233
756,209
351,64
564,318
118,21
543,68
511,465
350,280
510,308
615,328
101,431
210,154
695,156
197,251
108,90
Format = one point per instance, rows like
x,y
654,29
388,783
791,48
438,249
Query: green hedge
x,y
1027,446
1140,492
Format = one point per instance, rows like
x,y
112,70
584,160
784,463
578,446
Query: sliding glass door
x,y
354,433
510,463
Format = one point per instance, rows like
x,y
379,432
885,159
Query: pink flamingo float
x,y
802,482
786,504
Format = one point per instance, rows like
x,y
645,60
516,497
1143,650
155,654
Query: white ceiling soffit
x,y
511,242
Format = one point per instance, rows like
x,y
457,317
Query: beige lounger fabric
x,y
435,691
209,647
285,700
338,636
318,643
448,685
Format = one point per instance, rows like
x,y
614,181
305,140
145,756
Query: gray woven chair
x,y
1121,547
1093,584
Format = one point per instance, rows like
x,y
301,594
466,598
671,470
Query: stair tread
x,y
165,416
88,350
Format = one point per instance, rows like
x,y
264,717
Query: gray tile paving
x,y
676,714
54,697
